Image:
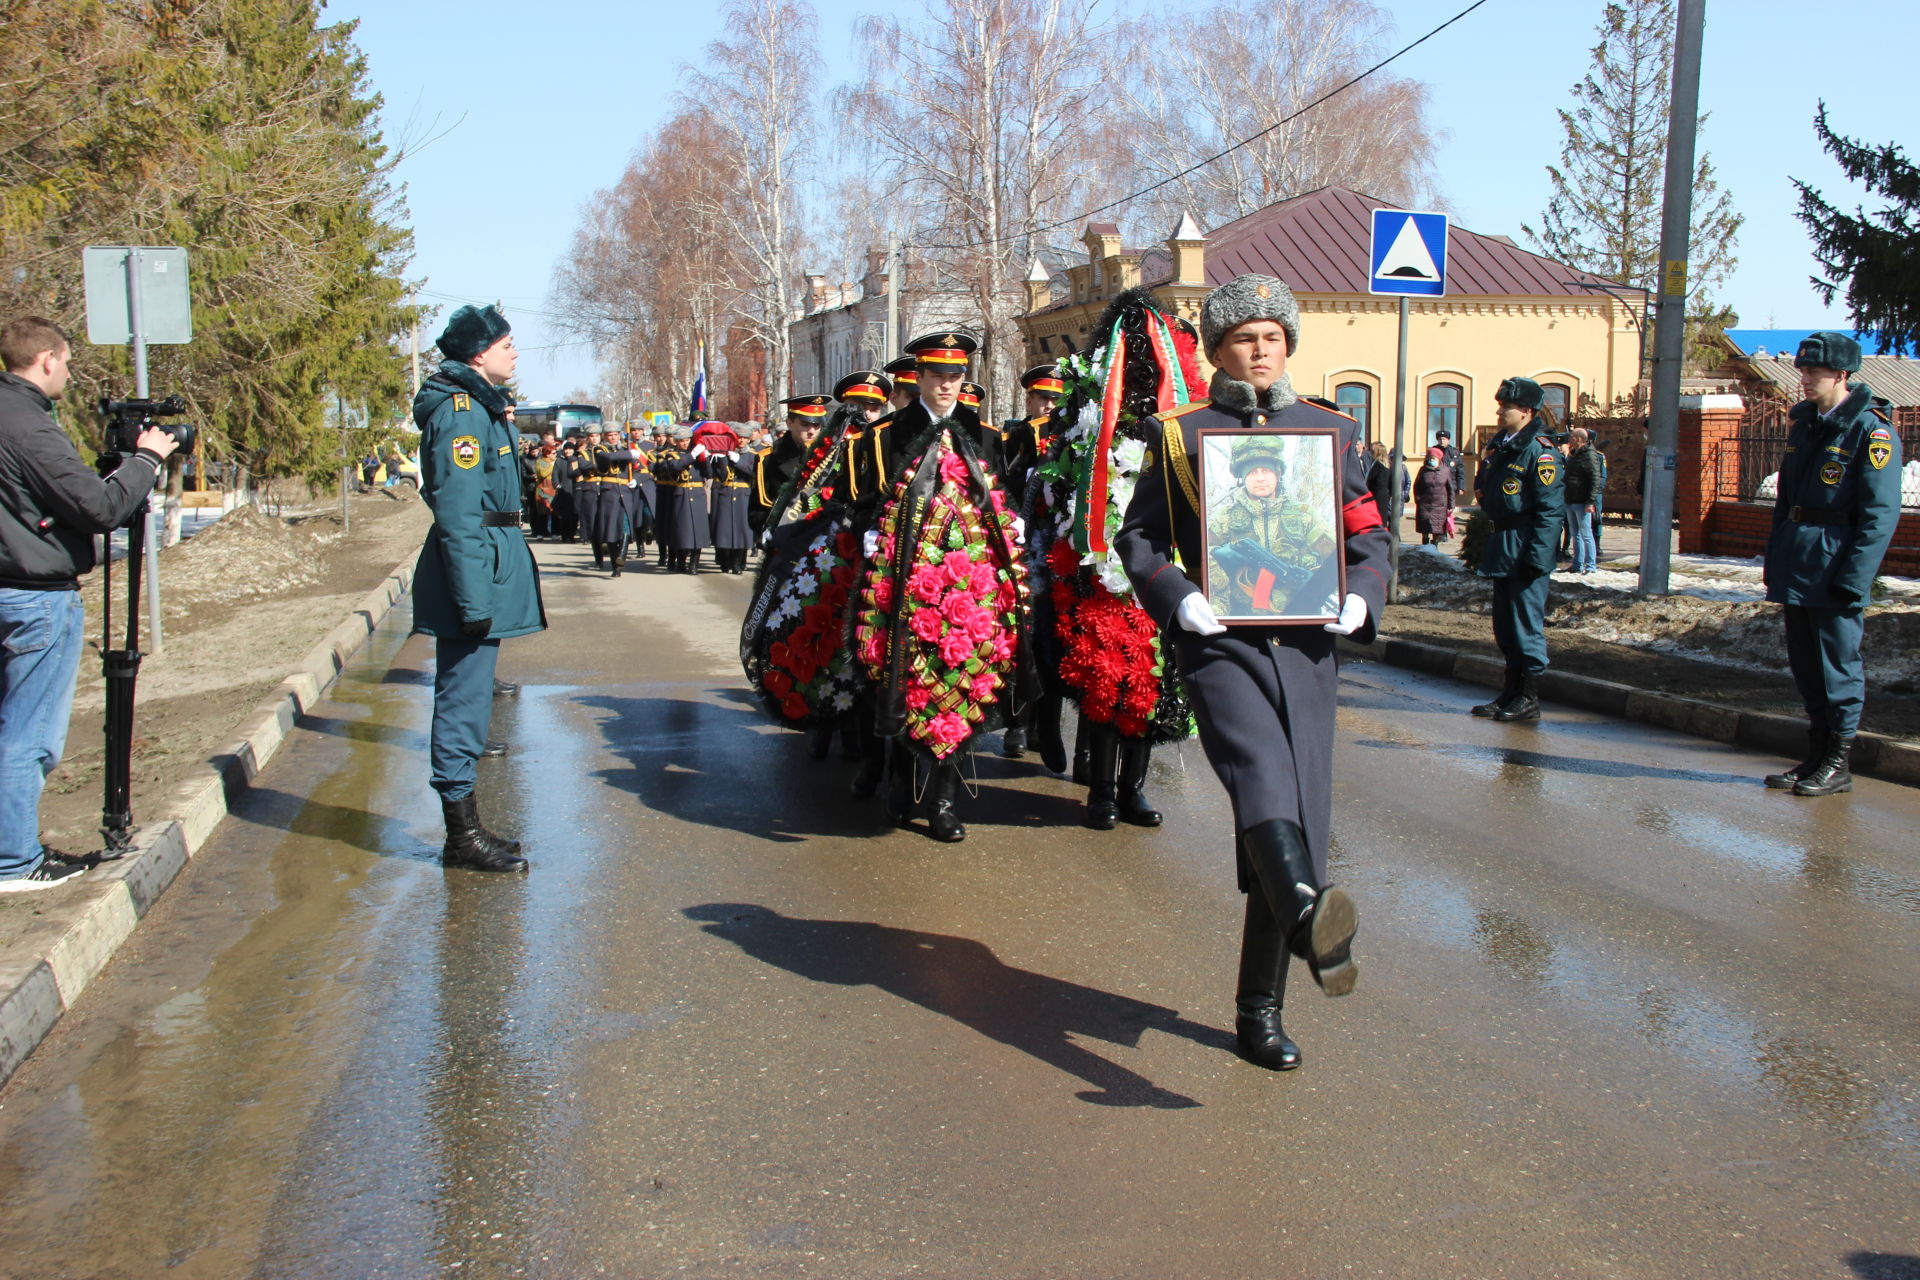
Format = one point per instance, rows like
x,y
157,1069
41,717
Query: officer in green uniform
x,y
476,583
1520,488
1838,503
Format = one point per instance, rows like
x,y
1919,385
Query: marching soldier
x,y
612,511
676,472
731,500
780,465
1023,442
905,372
1263,696
1521,491
476,582
1834,516
587,492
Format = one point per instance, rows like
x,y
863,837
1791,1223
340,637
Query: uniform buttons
x,y
1259,419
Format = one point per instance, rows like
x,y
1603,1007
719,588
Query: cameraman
x,y
51,505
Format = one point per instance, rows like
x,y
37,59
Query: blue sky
x,y
537,106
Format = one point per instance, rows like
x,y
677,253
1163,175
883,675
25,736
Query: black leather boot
x,y
505,689
1523,705
1816,748
1486,709
1103,771
819,742
850,743
619,562
1833,773
1082,775
1046,734
1319,923
873,766
493,751
693,562
901,768
468,844
1135,755
1262,990
664,553
1013,742
943,790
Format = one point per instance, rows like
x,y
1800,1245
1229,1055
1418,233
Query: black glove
x,y
477,628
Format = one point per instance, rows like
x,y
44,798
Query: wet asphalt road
x,y
1623,1012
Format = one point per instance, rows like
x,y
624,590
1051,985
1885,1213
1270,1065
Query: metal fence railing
x,y
1746,465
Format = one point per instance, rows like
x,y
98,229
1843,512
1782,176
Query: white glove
x,y
1353,612
699,451
1018,528
1197,616
870,546
735,455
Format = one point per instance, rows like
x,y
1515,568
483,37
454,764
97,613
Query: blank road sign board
x,y
166,308
1409,253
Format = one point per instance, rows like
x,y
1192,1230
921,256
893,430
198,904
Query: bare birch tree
x,y
759,94
1208,79
980,137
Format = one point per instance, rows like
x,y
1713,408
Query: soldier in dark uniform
x,y
646,491
586,492
615,502
476,583
566,511
905,372
1833,519
1263,696
779,466
677,473
731,503
1520,486
1023,441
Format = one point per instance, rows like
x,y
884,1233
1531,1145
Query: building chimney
x,y
816,291
1039,286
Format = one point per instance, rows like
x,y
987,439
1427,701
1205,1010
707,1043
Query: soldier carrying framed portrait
x,y
1270,525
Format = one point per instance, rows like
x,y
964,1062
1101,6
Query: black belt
x,y
1801,515
499,519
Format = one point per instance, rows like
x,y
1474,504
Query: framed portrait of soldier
x,y
1270,526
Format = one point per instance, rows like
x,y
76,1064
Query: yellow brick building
x,y
1506,312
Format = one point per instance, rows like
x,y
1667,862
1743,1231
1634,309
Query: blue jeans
x,y
1586,551
40,635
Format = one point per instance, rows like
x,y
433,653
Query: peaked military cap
x,y
1043,378
863,384
905,371
1828,350
951,347
1524,392
971,394
471,330
807,406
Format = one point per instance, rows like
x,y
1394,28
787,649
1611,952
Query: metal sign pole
x,y
1399,446
138,339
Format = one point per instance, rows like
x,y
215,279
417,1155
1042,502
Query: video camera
x,y
126,419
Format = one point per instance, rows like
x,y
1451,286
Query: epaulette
x,y
462,402
1180,411
1882,410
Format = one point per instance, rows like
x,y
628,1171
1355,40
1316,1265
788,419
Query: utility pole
x,y
893,298
416,343
1669,331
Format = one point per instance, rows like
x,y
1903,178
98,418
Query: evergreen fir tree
x,y
1604,216
1874,257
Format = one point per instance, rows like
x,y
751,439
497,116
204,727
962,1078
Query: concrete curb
x,y
41,978
1874,754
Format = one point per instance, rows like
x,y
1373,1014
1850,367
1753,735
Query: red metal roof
x,y
1319,243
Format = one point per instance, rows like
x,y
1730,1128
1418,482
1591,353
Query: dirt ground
x,y
241,603
1722,644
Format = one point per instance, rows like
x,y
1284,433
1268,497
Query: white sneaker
x,y
45,876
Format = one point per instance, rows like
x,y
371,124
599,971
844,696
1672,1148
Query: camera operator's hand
x,y
477,628
156,441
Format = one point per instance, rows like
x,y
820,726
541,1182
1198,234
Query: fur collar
x,y
1239,397
468,379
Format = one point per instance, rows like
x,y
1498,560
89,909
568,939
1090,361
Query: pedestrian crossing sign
x,y
1409,253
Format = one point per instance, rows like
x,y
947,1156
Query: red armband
x,y
1360,515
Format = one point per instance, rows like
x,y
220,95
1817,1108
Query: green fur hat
x,y
471,330
1244,299
1828,350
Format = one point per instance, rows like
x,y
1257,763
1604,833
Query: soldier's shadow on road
x,y
712,762
1554,763
962,979
1872,1265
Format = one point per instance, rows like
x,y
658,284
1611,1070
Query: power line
x,y
1220,155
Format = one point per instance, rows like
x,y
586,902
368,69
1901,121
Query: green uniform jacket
x,y
1838,503
469,570
1522,489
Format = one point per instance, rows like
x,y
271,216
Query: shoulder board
x,y
1335,412
1180,411
1882,412
462,402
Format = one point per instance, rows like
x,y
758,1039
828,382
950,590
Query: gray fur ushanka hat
x,y
1244,299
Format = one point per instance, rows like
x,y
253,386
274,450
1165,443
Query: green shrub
x,y
1479,525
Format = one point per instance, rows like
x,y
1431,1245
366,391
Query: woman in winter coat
x,y
1434,491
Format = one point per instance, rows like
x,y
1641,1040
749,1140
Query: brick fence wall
x,y
1740,529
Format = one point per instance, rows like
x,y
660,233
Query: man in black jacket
x,y
51,505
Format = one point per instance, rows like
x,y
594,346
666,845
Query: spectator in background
x,y
1582,484
1434,491
51,506
1443,441
1380,485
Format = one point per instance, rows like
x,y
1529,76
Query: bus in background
x,y
537,418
